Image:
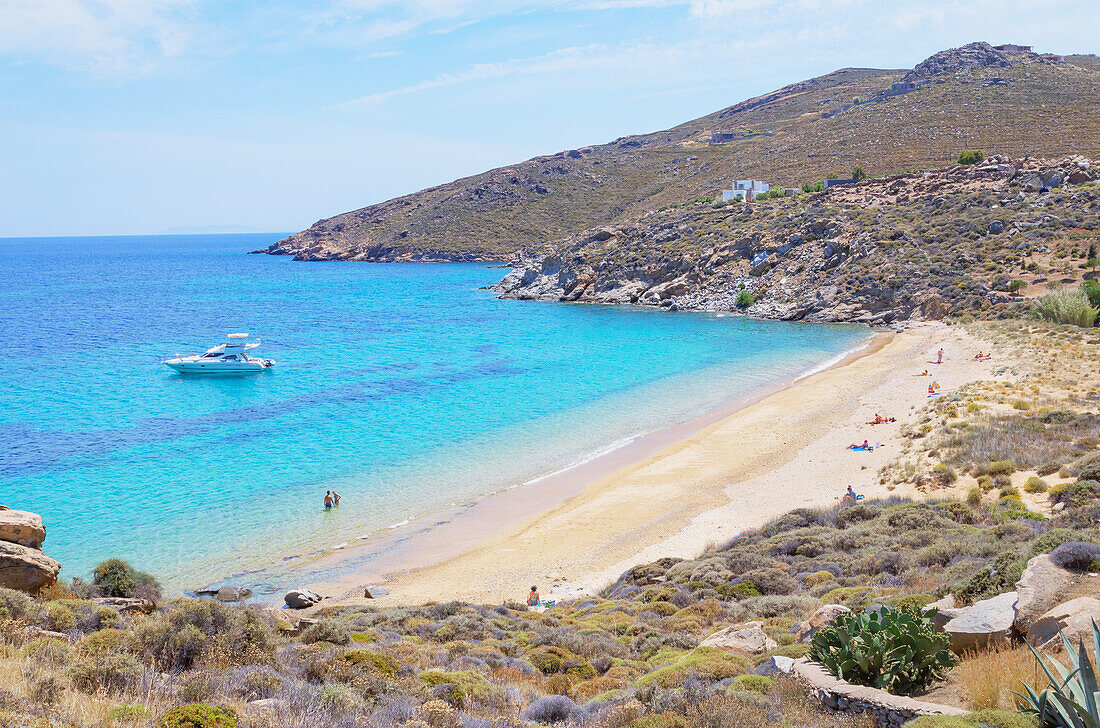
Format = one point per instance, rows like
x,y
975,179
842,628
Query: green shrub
x,y
1067,306
60,617
1091,289
661,720
745,299
753,683
895,649
1035,485
974,495
1002,467
15,604
329,629
1016,285
944,474
116,578
740,590
198,715
338,698
373,661
971,156
987,718
126,713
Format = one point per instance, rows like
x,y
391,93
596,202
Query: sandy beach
x,y
685,489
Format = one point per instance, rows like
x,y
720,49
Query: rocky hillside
x,y
969,97
966,238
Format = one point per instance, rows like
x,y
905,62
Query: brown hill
x,y
970,97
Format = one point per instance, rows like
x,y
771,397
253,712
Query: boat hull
x,y
215,368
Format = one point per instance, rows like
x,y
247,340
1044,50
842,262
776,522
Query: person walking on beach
x,y
329,503
533,598
939,356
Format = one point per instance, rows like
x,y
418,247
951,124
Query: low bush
x,y
116,578
1036,485
971,156
1067,306
198,715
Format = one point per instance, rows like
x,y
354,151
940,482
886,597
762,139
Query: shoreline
x,y
498,516
441,531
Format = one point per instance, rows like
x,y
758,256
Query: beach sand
x,y
710,482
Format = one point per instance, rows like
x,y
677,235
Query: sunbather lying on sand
x,y
880,420
923,374
865,446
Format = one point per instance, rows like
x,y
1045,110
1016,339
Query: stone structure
x,y
886,710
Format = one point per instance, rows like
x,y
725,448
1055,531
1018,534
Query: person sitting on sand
x,y
533,598
852,496
978,356
328,500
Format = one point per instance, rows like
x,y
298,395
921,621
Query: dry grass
x,y
989,677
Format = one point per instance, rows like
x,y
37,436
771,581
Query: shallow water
x,y
402,386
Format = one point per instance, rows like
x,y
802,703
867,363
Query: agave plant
x,y
1071,698
895,650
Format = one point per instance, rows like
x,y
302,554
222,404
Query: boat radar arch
x,y
238,336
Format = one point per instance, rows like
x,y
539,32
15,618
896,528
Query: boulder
x,y
1074,618
746,639
375,592
25,568
983,624
820,619
233,593
1040,588
126,604
945,612
23,528
302,598
996,227
775,666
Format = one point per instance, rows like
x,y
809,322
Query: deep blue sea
x,y
403,386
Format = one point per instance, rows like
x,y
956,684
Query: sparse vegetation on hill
x,y
967,240
973,97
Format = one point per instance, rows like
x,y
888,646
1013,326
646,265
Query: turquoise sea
x,y
405,387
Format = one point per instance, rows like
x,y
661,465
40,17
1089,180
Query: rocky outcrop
x,y
127,604
1074,619
745,639
23,565
26,569
832,256
1040,587
302,599
21,527
964,58
987,623
819,620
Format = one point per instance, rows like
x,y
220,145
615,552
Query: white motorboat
x,y
227,358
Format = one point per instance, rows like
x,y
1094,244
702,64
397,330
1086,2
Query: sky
x,y
145,116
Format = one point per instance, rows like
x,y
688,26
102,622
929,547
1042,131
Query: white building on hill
x,y
745,189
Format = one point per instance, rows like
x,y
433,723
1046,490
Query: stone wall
x,y
889,711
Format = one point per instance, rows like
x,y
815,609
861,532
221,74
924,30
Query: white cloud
x,y
101,35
